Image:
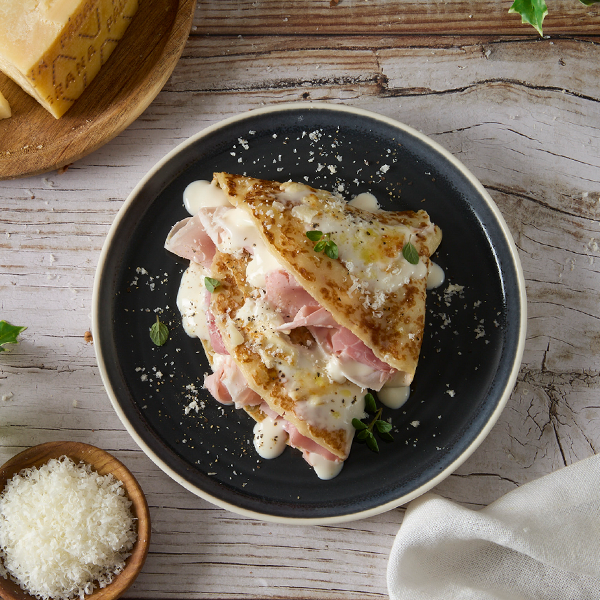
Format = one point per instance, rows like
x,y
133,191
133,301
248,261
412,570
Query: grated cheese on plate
x,y
64,529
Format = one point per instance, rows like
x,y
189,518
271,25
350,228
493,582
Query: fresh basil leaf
x,y
372,443
410,253
8,334
370,405
211,284
589,2
314,235
358,425
159,332
531,11
331,250
383,426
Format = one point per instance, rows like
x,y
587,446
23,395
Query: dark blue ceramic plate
x,y
473,339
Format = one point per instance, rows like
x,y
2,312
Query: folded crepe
x,y
309,303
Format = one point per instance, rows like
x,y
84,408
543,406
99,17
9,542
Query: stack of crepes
x,y
297,328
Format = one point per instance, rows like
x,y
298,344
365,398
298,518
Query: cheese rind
x,y
5,111
54,48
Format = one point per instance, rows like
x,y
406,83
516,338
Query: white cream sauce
x,y
270,438
436,276
191,301
365,201
393,396
202,193
325,469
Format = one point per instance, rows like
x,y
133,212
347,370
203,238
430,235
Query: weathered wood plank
x,y
463,17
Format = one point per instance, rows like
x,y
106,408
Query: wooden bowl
x,y
103,463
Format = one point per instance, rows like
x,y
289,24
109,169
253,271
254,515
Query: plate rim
x,y
475,443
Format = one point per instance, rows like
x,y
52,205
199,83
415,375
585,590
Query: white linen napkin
x,y
540,541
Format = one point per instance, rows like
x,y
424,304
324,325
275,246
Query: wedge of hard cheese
x,y
5,111
54,48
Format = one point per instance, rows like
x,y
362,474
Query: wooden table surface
x,y
522,112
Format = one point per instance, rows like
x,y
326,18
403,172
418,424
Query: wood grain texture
x,y
103,464
377,17
522,113
32,141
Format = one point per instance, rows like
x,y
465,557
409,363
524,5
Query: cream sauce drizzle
x,y
270,438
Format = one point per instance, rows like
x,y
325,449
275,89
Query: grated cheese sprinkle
x,y
64,529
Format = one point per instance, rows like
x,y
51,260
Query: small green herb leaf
x,y
410,253
383,426
363,434
331,250
372,443
324,243
358,425
8,334
320,246
386,437
211,284
159,332
370,405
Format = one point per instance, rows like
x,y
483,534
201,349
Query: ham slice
x,y
285,295
228,385
301,442
214,335
356,359
189,239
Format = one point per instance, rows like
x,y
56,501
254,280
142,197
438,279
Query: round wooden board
x,y
32,141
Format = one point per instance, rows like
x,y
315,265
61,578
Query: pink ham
x,y
214,335
189,239
228,385
346,344
286,295
301,442
311,316
210,217
343,344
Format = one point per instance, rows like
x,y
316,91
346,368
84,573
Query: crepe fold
x,y
311,302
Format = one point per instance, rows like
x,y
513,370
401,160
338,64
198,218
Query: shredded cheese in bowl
x,y
64,529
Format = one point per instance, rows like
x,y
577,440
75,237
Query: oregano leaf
x,y
159,332
372,443
313,235
211,284
383,426
331,250
410,253
370,405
